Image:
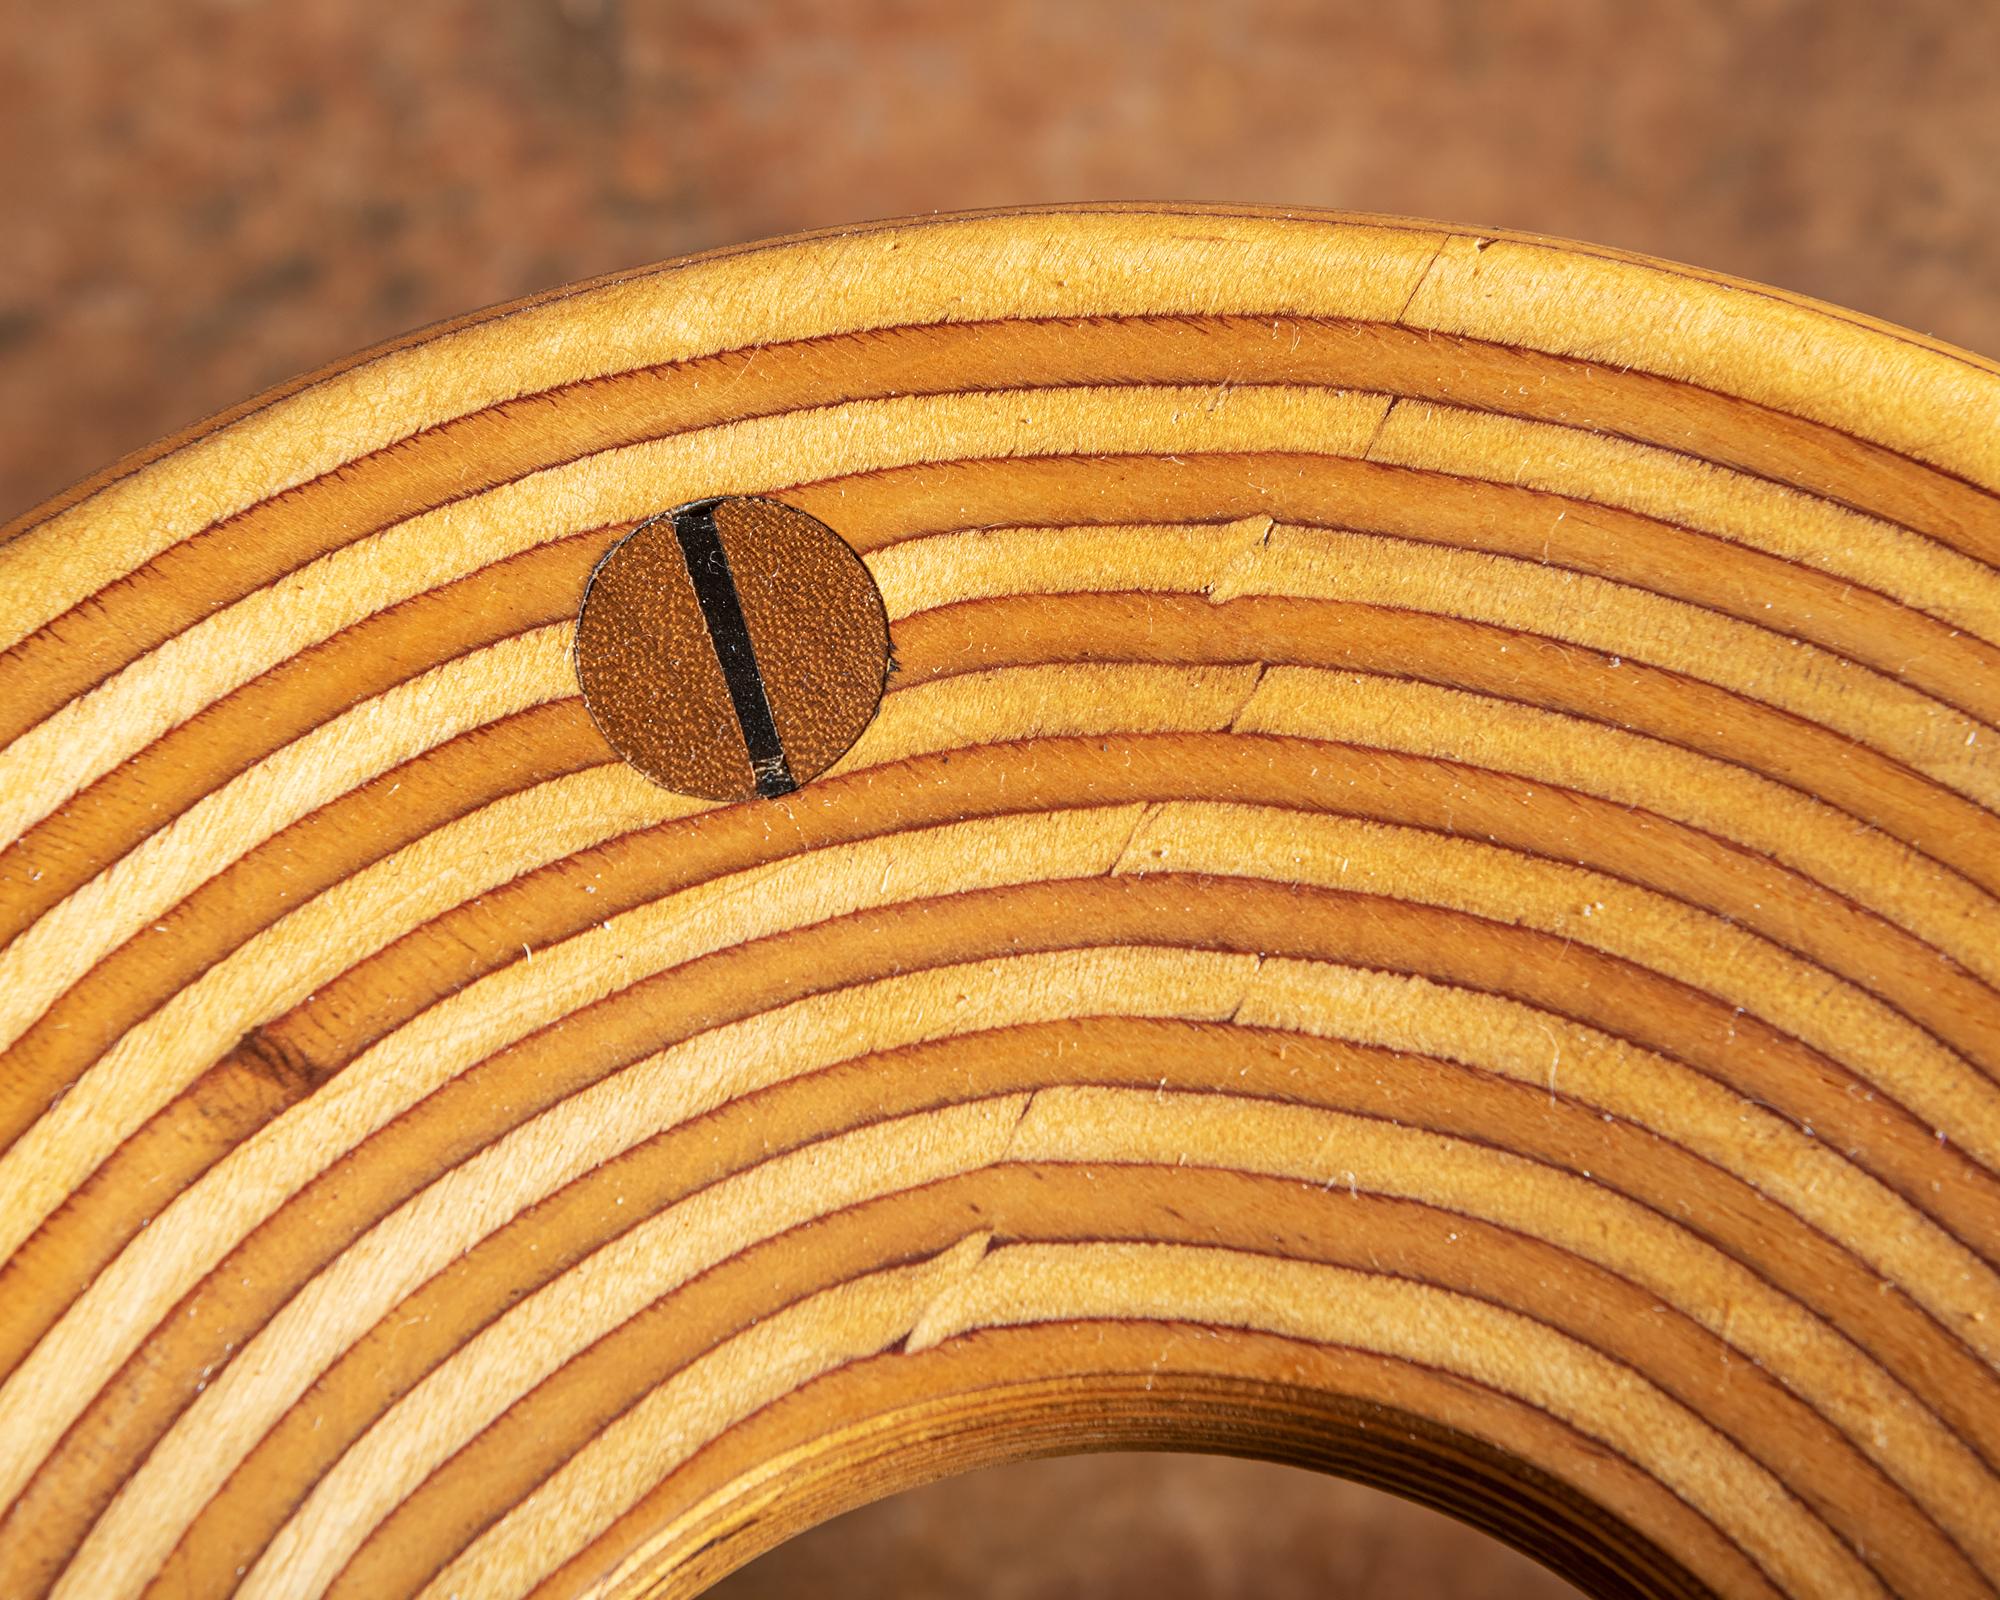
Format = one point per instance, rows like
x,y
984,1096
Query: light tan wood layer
x,y
1421,901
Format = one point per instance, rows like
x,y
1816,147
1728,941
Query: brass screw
x,y
732,648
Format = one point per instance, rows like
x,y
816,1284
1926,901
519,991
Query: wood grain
x,y
1421,902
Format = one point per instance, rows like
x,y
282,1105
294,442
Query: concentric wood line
x,y
212,657
1160,773
662,916
33,889
1422,901
121,627
601,1474
67,931
457,1131
1375,264
1207,1389
404,630
526,1247
633,1197
67,1241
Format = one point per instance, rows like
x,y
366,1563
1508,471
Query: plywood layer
x,y
1421,900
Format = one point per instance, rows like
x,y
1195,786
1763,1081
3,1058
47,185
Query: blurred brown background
x,y
202,198
1137,1527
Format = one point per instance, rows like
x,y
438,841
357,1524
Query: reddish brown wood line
x,y
530,1070
135,800
1209,1389
250,707
281,1047
673,857
468,943
463,947
1682,563
479,939
1487,957
1422,901
930,646
540,1244
1957,653
986,634
135,461
366,825
1384,357
67,1037
1396,1450
531,433
1928,993
1073,1204
1490,660
538,587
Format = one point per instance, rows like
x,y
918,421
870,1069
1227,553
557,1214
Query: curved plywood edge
x,y
1420,901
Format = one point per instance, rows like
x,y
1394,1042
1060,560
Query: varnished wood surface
x,y
1420,901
